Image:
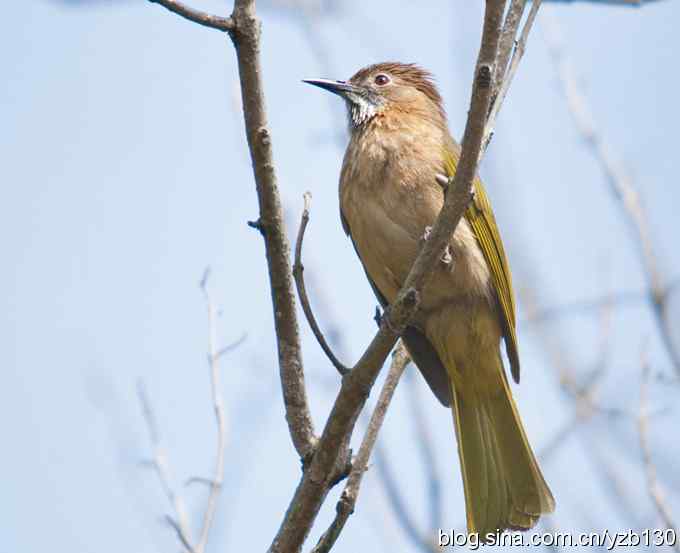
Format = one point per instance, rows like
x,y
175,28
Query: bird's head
x,y
387,87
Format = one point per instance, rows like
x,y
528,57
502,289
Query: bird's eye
x,y
381,80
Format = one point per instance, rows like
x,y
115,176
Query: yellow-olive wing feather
x,y
480,217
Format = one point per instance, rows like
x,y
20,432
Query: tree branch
x,y
507,73
224,24
298,274
244,29
218,406
180,522
348,499
246,37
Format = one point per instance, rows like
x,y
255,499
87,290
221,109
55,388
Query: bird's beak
x,y
341,88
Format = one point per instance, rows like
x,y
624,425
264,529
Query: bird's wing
x,y
423,354
481,219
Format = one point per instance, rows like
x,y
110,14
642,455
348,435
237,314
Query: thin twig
x,y
159,461
224,24
620,185
298,274
348,499
507,42
653,487
218,406
507,77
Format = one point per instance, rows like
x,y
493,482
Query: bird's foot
x,y
443,181
426,234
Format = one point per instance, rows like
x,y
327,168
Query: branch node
x,y
257,225
343,472
484,72
264,136
377,316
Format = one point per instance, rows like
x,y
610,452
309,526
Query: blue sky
x,y
125,173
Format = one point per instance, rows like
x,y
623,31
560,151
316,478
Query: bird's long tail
x,y
504,487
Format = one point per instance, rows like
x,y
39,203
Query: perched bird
x,y
389,198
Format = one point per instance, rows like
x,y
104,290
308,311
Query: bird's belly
x,y
388,239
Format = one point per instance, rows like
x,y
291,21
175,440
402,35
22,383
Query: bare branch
x,y
224,24
218,406
181,535
246,38
504,82
507,42
180,522
348,499
298,274
653,487
244,29
620,185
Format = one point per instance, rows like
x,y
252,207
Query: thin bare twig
x,y
508,75
159,461
620,185
224,24
656,493
507,42
298,274
218,406
180,523
348,499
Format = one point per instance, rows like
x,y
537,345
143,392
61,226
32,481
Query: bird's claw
x,y
443,181
426,234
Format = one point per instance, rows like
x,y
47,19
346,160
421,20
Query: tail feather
x,y
504,487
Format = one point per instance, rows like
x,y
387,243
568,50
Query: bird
x,y
399,150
